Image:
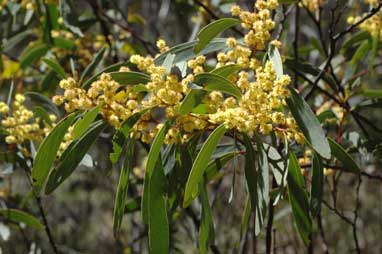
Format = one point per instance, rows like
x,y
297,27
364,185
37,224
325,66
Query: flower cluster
x,y
116,104
259,23
21,124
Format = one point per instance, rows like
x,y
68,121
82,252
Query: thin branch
x,y
350,28
214,16
343,217
45,221
295,41
355,235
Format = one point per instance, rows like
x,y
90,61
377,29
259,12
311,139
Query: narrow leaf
x,y
185,51
152,159
93,65
159,230
72,156
226,70
317,185
43,101
130,77
123,184
275,57
55,67
199,165
47,152
298,199
340,154
308,123
32,54
18,216
192,99
207,231
123,133
84,122
212,30
111,68
213,82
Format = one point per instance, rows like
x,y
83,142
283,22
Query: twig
x,y
42,212
343,217
350,28
45,221
214,16
356,241
295,41
322,233
147,44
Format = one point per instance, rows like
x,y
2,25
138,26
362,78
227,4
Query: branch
x,y
295,41
357,205
350,28
214,16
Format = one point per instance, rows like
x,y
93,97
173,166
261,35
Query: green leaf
x,y
41,112
317,188
130,77
199,166
215,165
111,68
354,40
251,179
361,52
152,158
12,42
63,43
245,217
32,54
168,61
159,230
47,152
226,70
257,182
93,65
372,93
212,30
263,182
72,156
43,101
123,184
298,199
56,67
84,122
213,82
18,216
308,123
275,57
340,154
122,133
69,17
327,114
185,51
206,231
192,99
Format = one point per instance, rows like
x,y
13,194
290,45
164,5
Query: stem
x,y
254,239
295,41
45,221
